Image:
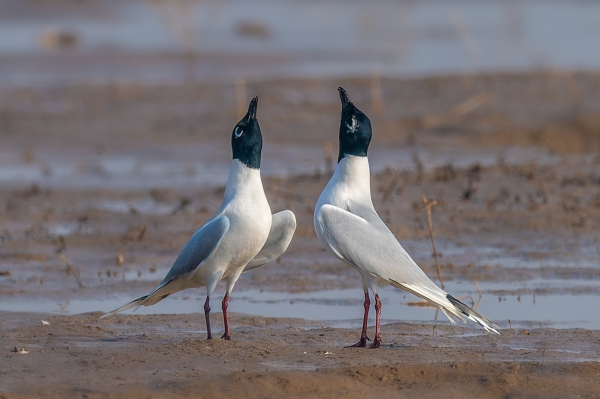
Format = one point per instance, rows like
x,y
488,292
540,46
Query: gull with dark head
x,y
243,235
349,227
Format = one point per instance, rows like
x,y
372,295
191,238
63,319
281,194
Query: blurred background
x,y
52,42
116,116
101,62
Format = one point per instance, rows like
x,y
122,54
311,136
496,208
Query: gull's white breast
x,y
350,183
245,205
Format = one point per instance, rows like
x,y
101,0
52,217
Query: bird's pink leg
x,y
207,316
224,305
363,336
377,341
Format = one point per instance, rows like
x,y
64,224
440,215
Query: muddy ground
x,y
59,241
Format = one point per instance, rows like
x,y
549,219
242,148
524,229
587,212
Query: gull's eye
x,y
238,132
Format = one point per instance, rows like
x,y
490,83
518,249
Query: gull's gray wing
x,y
364,241
370,246
283,227
198,250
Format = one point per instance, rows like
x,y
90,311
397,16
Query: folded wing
x,y
283,226
371,248
369,245
199,248
196,252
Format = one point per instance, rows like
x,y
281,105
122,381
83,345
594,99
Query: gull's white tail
x,y
465,311
163,290
136,303
450,306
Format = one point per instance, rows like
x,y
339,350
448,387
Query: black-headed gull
x,y
349,227
242,235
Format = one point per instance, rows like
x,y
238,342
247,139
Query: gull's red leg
x,y
363,336
224,305
207,316
377,341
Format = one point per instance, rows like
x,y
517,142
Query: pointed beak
x,y
344,97
252,109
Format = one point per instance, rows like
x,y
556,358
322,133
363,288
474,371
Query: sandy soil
x,y
542,209
162,356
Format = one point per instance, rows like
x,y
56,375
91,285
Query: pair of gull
x,y
243,235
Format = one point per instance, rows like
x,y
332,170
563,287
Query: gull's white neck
x,y
351,180
353,171
243,181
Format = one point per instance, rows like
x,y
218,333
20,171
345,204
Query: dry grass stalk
x,y
62,244
462,109
471,104
428,205
422,304
469,297
390,188
502,196
72,271
544,191
184,202
419,168
478,292
142,233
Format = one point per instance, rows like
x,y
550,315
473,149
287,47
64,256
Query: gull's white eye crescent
x,y
236,134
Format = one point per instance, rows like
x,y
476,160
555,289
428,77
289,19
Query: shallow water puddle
x,y
343,308
209,165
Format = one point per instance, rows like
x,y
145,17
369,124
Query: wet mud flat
x,y
167,356
103,185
